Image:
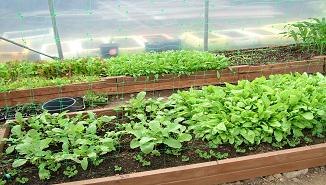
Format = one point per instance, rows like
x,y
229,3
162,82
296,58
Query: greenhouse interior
x,y
168,92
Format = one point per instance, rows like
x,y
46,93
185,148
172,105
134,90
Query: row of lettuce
x,y
25,75
283,110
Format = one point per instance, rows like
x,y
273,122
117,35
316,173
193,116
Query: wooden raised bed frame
x,y
221,171
125,85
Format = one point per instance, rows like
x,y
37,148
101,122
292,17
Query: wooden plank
x,y
224,170
252,173
4,133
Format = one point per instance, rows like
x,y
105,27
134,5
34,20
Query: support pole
x,y
55,29
206,25
23,46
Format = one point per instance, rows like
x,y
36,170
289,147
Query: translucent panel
x,y
27,23
147,25
133,25
252,23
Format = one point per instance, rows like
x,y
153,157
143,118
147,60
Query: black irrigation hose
x,y
20,45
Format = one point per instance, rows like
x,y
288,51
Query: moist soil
x,y
268,55
124,158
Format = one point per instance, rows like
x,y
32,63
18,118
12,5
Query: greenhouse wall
x,y
146,25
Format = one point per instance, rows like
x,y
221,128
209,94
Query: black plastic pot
x,y
80,104
59,105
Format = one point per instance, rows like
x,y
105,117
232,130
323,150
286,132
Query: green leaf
x,y
134,143
141,95
184,137
10,149
321,112
278,135
308,115
221,126
275,124
43,173
147,147
19,117
84,163
107,119
16,131
249,136
173,143
91,129
179,119
145,140
297,133
18,162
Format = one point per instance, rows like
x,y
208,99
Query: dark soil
x,y
268,55
124,158
7,113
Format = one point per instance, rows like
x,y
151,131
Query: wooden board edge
x,y
146,178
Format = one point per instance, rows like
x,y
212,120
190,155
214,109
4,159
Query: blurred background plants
x,y
311,34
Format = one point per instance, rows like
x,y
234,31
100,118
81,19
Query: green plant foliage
x,y
35,82
310,34
253,112
283,110
152,127
150,133
271,111
92,99
22,180
48,141
169,62
210,154
70,171
117,168
26,75
142,160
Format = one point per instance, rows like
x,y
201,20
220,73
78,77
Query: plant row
x,y
22,75
283,111
310,34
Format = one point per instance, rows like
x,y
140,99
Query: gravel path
x,y
313,176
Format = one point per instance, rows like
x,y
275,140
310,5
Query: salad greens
x,y
47,141
26,75
272,111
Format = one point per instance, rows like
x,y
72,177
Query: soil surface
x,y
268,55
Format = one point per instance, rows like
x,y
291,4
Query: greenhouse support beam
x,y
55,29
23,46
206,25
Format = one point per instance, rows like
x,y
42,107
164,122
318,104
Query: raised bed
x,y
126,85
220,171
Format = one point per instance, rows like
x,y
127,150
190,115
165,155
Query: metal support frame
x,y
23,46
206,25
55,29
